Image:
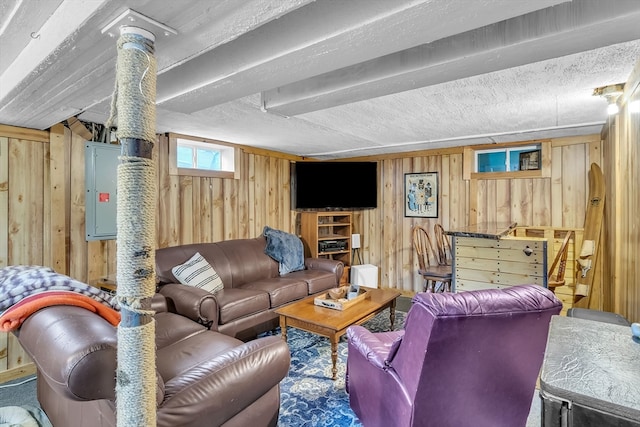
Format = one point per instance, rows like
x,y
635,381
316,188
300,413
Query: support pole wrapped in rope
x,y
134,106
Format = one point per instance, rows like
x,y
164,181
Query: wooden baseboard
x,y
19,372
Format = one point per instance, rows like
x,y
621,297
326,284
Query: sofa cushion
x,y
194,350
245,261
237,302
280,290
286,248
199,273
173,328
317,280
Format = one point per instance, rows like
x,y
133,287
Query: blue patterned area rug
x,y
308,395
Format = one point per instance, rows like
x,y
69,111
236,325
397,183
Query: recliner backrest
x,y
475,353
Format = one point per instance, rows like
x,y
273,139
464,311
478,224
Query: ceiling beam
x,y
318,38
558,31
17,25
44,41
70,65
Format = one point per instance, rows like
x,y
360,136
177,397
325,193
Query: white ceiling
x,y
330,78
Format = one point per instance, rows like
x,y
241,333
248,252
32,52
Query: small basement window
x,y
508,159
201,157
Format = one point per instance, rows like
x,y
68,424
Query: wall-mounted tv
x,y
334,185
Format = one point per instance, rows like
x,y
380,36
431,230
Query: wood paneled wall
x,y
197,209
25,225
42,209
42,206
386,232
42,201
557,200
621,232
194,209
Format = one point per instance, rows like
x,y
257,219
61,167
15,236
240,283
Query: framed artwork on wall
x,y
421,195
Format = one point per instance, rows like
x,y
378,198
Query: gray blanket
x,y
20,281
286,248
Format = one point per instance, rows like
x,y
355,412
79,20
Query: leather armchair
x,y
205,378
466,359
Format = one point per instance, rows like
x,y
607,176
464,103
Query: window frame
x,y
469,161
507,150
203,142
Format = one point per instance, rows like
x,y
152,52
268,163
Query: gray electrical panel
x,y
101,177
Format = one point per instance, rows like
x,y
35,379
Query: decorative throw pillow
x,y
199,273
286,248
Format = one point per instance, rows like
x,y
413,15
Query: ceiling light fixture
x,y
612,108
611,93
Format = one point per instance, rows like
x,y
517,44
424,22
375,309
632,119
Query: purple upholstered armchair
x,y
462,360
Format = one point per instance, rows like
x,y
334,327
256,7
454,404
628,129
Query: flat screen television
x,y
334,185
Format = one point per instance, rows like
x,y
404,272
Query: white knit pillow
x,y
199,273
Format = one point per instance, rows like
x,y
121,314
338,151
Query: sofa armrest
x,y
74,350
325,264
194,303
159,303
225,385
378,348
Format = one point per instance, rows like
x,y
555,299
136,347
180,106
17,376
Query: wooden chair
x,y
437,278
443,245
560,260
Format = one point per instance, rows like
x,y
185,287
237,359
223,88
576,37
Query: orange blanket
x,y
13,317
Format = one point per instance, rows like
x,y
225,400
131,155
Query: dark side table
x,y
590,375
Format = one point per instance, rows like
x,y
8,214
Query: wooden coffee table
x,y
331,323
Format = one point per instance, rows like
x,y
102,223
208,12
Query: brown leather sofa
x,y
253,287
205,378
